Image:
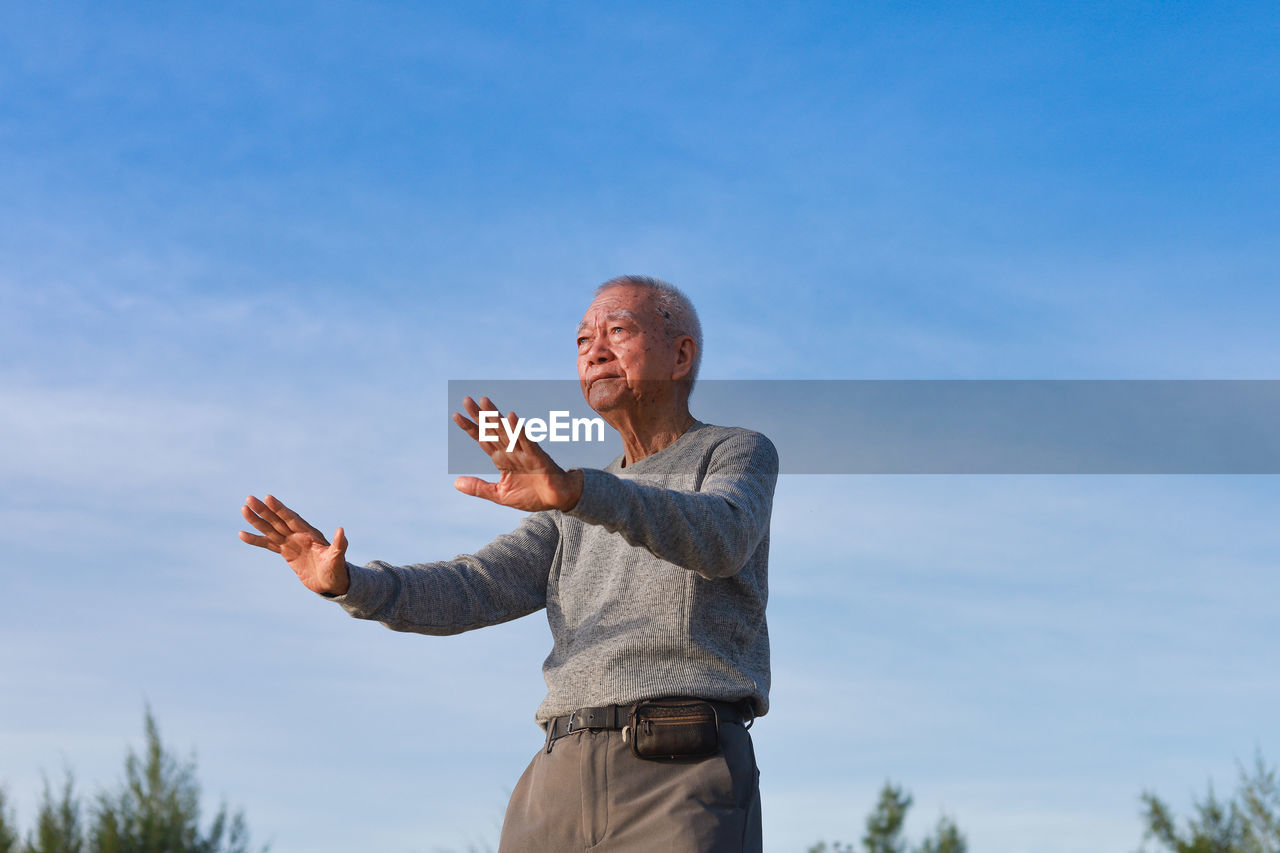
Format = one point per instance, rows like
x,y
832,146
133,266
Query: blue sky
x,y
244,247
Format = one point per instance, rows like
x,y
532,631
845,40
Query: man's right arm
x,y
504,580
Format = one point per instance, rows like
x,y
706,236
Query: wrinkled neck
x,y
643,436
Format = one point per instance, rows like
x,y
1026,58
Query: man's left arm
x,y
712,531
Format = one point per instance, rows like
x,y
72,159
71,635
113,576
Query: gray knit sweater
x,y
654,584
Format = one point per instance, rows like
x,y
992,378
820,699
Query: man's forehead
x,y
616,314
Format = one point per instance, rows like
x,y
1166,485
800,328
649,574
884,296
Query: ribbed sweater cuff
x,y
599,502
365,587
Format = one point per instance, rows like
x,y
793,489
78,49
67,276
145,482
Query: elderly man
x,y
653,573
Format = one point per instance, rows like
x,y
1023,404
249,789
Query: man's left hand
x,y
528,479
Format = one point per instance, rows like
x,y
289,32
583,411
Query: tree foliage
x,y
58,828
155,810
8,835
1248,823
884,824
884,829
158,809
946,839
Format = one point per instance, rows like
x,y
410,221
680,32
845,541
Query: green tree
x,y
1249,823
158,809
58,828
884,824
1260,807
8,835
884,829
946,839
1216,828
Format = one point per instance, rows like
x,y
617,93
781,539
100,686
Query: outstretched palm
x,y
528,478
319,564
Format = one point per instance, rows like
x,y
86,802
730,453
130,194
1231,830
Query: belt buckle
x,y
552,737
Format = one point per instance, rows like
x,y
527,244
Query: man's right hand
x,y
321,566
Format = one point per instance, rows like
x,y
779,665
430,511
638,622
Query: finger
x,y
528,453
469,427
267,514
491,439
474,409
488,442
523,442
469,406
260,523
259,541
292,521
476,487
340,541
487,405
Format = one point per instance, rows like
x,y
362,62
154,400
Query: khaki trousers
x,y
591,793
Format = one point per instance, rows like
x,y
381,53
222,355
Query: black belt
x,y
619,717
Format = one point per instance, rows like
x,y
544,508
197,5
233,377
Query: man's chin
x,y
605,395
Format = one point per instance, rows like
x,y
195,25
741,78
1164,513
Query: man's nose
x,y
599,351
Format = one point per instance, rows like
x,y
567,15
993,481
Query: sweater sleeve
x,y
504,580
712,531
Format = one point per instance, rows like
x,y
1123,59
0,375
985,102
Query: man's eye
x,y
581,341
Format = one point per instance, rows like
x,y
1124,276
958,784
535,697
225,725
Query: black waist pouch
x,y
674,728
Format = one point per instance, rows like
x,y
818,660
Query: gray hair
x,y
679,316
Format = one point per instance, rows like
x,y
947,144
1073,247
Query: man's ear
x,y
686,349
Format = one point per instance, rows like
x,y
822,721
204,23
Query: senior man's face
x,y
624,357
